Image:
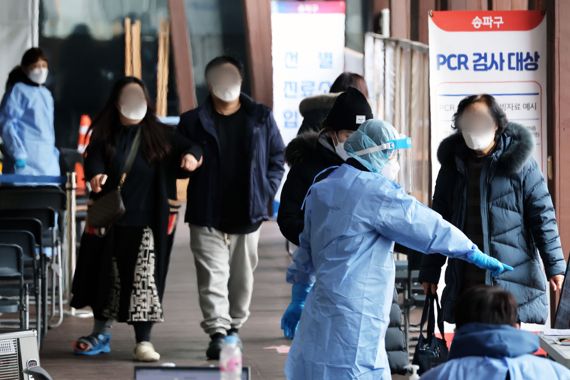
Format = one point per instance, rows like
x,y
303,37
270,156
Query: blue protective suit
x,y
26,125
488,352
352,220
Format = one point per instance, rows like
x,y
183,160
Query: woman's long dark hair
x,y
107,125
348,79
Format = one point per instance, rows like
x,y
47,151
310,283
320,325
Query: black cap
x,y
349,111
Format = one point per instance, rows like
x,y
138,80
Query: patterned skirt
x,y
116,275
134,295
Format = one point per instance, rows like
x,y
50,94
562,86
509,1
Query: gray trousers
x,y
224,266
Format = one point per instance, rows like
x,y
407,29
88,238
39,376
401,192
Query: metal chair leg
x,y
57,290
26,308
45,292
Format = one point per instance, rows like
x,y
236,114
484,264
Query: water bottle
x,y
230,359
414,375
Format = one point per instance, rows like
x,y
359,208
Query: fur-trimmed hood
x,y
515,147
320,103
301,147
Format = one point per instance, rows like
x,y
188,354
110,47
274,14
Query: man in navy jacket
x,y
229,196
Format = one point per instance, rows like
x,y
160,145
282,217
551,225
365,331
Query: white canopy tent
x,y
19,22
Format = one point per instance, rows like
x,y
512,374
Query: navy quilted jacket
x,y
519,223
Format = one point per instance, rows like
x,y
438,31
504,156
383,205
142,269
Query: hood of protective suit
x,y
496,341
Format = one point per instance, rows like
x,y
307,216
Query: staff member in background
x,y
488,343
122,275
228,197
26,119
491,188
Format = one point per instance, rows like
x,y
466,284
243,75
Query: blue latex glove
x,y
292,315
20,164
484,261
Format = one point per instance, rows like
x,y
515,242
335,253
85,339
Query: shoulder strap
x,y
131,157
427,311
432,322
428,316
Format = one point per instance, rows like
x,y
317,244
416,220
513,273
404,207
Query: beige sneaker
x,y
144,352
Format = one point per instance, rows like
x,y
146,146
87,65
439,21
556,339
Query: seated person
x,y
488,344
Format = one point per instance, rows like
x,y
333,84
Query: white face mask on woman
x,y
38,75
478,141
339,147
133,111
340,151
478,130
391,170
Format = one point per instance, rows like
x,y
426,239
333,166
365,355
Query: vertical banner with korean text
x,y
308,54
494,52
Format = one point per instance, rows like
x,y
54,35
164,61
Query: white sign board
x,y
308,54
494,52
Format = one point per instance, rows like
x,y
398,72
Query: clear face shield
x,y
384,158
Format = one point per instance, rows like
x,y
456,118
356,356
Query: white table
x,y
559,353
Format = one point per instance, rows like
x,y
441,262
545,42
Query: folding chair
x,y
12,269
41,198
33,226
25,240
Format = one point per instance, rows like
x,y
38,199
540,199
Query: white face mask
x,y
341,152
227,93
133,111
478,141
391,170
38,75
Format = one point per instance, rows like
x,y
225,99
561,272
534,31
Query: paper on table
x,y
556,332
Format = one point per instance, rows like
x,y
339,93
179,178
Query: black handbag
x,y
431,351
109,208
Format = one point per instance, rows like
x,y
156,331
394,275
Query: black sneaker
x,y
215,346
235,332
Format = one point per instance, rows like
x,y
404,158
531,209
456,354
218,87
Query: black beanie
x,y
349,111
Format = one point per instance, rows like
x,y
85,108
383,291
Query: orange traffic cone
x,y
84,137
83,141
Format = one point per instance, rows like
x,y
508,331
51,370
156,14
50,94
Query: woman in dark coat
x,y
491,188
121,275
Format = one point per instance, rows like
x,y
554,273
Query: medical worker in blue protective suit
x,y
489,345
343,272
26,119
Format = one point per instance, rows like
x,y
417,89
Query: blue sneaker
x,y
93,345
